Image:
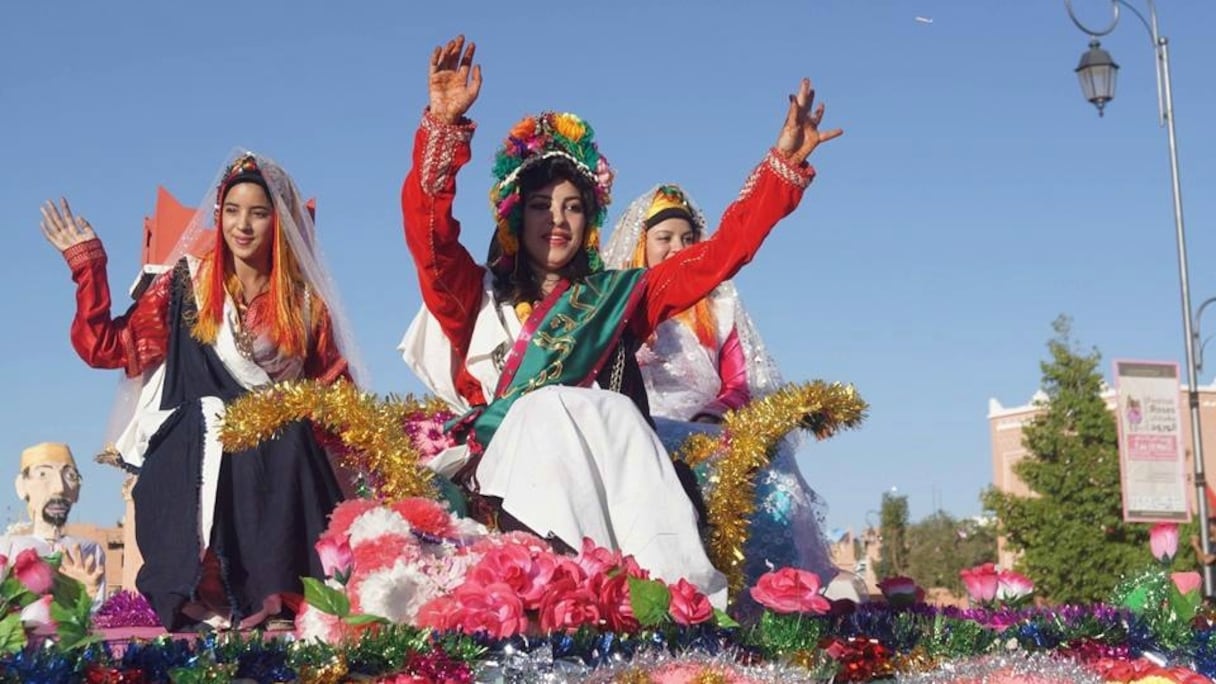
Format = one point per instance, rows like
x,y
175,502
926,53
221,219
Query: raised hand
x,y
454,80
61,228
83,569
800,133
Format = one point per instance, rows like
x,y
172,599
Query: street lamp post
x,y
1097,75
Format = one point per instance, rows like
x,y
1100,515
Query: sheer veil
x,y
296,222
763,377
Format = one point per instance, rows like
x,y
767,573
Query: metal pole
x,y
1165,108
1163,58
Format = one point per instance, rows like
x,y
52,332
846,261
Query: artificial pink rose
x,y
510,564
1013,586
567,569
1187,581
1163,541
688,605
790,590
540,575
3,566
336,557
981,582
439,613
566,606
616,608
901,591
425,515
34,572
37,616
595,559
345,514
494,609
527,570
630,565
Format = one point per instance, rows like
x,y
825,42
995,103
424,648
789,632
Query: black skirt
x,y
272,501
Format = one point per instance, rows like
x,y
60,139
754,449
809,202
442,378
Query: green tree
x,y
893,526
1074,544
940,546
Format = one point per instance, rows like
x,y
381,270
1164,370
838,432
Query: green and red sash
x,y
566,341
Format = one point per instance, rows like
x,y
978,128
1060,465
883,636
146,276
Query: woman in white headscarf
x,y
245,303
707,360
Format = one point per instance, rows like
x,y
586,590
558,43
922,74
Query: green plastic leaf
x,y
12,634
650,600
1136,599
1184,606
365,619
325,598
66,590
11,589
723,620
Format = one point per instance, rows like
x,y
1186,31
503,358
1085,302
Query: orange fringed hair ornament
x,y
286,326
669,202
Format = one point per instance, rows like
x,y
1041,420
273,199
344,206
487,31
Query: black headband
x,y
671,212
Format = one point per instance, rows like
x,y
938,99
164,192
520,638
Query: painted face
x,y
50,490
248,222
555,221
667,237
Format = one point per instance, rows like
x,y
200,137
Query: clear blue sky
x,y
974,197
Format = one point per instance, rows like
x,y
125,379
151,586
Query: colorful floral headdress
x,y
533,140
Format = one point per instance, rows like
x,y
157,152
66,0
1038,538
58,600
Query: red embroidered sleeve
x,y
135,341
732,368
449,277
771,192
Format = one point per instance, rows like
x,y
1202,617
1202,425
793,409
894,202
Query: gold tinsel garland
x,y
373,429
749,438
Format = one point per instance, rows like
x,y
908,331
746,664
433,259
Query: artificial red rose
x,y
616,608
566,606
630,565
567,569
688,605
509,564
595,560
494,609
35,573
425,515
439,613
790,590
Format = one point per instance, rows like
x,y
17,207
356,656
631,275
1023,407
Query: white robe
x,y
569,462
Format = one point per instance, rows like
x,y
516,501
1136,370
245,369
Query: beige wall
x,y
1005,430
